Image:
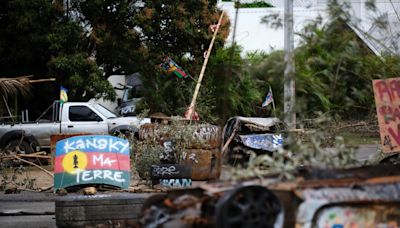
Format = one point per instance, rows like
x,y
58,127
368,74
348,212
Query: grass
x,y
355,139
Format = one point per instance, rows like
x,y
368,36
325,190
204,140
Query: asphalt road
x,y
367,151
27,210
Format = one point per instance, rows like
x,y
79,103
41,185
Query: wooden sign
x,y
387,101
92,159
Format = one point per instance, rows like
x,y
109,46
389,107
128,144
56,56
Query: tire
x,y
238,155
16,146
110,210
249,206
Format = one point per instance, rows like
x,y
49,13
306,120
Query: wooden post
x,y
273,106
203,69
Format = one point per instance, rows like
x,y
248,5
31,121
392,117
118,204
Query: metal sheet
x,y
314,199
265,122
92,159
268,142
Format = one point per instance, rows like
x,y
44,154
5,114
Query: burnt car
x,y
243,135
366,196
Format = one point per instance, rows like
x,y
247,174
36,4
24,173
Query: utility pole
x,y
237,6
289,80
67,10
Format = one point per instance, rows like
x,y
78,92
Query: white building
x,y
252,35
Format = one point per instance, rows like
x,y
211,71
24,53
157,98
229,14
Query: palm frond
x,y
14,86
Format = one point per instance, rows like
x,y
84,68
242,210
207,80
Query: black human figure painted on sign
x,y
388,142
76,161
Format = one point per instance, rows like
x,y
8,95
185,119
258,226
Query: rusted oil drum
x,y
206,164
202,152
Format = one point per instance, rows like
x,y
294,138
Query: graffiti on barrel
x,y
92,159
171,175
180,183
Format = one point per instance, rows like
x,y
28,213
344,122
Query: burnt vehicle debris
x,y
241,135
356,197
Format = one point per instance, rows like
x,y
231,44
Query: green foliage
x,y
23,42
37,38
112,37
227,89
78,69
333,71
267,71
335,68
147,152
96,39
181,31
255,4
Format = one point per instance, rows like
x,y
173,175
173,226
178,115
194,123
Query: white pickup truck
x,y
71,118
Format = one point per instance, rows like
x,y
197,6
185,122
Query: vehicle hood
x,y
129,120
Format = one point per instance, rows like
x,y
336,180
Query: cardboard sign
x,y
387,101
92,159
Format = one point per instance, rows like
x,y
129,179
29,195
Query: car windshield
x,y
103,110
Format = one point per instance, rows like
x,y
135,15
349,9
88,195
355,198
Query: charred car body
x,y
244,134
358,197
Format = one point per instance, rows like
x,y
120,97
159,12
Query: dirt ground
x,y
31,178
20,178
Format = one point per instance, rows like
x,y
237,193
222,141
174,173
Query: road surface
x,y
367,151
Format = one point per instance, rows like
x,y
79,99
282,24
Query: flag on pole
x,y
213,27
63,95
268,99
172,68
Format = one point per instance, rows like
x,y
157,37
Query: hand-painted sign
x,y
171,175
387,101
167,171
177,183
92,159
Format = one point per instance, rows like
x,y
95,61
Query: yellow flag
x,y
63,95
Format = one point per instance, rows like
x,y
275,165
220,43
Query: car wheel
x,y
249,206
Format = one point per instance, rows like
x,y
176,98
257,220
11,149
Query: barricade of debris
x,y
362,197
